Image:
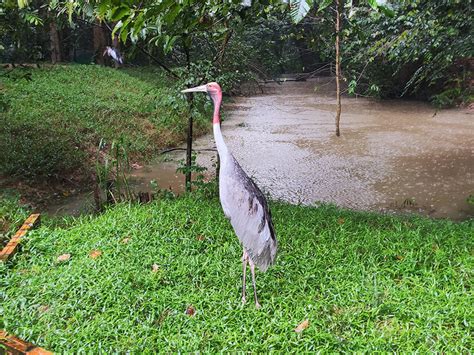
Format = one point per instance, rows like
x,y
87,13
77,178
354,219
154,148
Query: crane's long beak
x,y
197,88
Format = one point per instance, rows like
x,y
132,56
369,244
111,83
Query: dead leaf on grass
x,y
64,257
191,311
94,254
125,240
155,267
200,238
340,220
302,326
43,308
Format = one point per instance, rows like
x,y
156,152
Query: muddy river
x,y
391,156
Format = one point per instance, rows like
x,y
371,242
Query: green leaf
x,y
103,8
172,13
123,35
323,4
88,10
373,4
22,3
117,26
169,42
387,11
119,13
299,9
70,9
376,5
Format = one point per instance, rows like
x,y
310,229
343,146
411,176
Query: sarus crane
x,y
242,201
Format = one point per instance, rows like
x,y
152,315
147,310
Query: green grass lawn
x,y
52,124
364,282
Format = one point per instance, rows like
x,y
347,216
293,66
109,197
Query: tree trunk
x,y
54,42
225,42
116,45
99,42
338,68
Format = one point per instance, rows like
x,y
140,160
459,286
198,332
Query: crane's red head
x,y
213,89
215,93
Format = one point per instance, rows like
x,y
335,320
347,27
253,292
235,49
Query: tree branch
x,y
163,66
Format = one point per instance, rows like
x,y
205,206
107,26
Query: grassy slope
x,y
364,281
54,122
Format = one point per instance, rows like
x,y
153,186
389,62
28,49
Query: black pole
x,y
189,144
189,140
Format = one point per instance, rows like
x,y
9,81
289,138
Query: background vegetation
x,y
419,49
415,48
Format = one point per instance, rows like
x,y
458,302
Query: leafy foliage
x,y
424,50
21,36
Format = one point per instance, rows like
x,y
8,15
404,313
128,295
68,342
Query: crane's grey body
x,y
242,201
245,206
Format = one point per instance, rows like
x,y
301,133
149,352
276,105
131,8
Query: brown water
x,y
391,156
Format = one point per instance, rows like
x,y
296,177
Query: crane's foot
x,y
244,300
252,269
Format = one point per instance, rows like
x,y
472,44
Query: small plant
x,y
453,95
195,169
410,201
470,200
110,169
161,193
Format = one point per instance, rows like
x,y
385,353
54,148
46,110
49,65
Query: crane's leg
x,y
245,258
252,269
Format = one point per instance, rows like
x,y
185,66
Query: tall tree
x,y
338,67
55,43
300,8
100,41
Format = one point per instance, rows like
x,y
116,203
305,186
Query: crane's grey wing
x,y
246,207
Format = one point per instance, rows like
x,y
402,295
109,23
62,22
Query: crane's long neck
x,y
216,125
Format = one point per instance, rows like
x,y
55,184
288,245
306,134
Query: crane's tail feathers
x,y
266,257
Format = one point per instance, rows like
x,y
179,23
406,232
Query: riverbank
x,y
396,156
365,282
55,118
